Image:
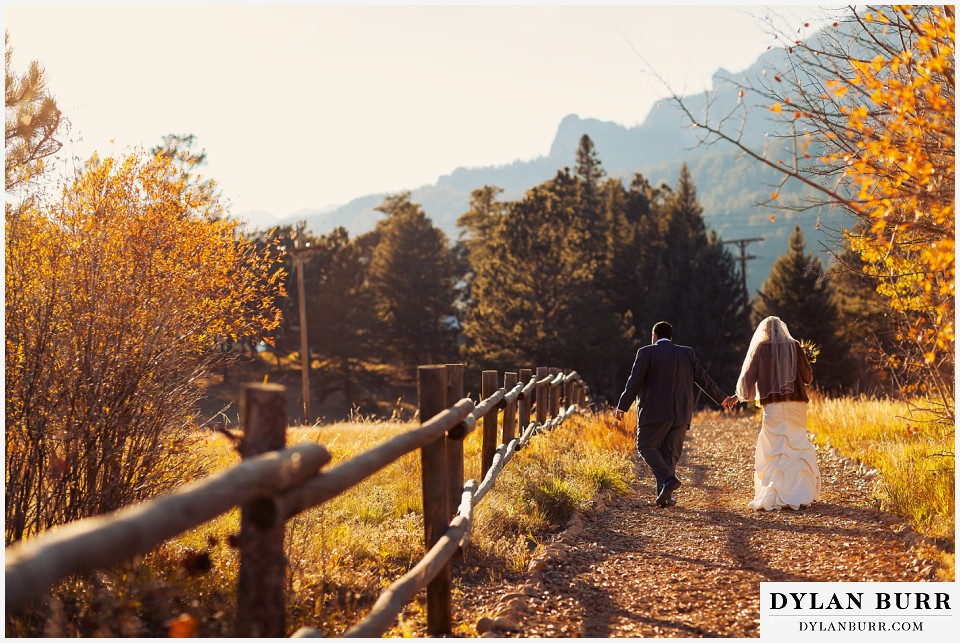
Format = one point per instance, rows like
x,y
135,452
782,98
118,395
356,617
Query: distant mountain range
x,y
729,186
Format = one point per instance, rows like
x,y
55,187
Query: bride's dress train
x,y
785,471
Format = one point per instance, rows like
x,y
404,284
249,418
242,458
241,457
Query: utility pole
x,y
298,252
744,257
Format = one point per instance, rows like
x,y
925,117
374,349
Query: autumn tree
x,y
274,243
869,107
179,148
116,294
797,292
32,122
412,279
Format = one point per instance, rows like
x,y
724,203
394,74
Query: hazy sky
x,y
306,105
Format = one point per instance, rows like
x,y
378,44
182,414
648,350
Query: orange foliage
x,y
902,170
117,295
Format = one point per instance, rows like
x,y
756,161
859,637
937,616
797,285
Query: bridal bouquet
x,y
811,350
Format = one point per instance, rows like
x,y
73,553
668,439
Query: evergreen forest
x,y
574,274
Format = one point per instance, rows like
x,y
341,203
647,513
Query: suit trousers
x,y
660,445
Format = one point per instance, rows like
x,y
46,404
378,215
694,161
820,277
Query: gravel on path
x,y
629,568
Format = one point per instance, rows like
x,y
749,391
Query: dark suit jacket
x,y
662,383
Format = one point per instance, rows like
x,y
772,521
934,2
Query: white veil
x,y
771,363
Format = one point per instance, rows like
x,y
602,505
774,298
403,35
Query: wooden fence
x,y
273,483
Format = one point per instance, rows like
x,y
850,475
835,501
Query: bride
x,y
776,373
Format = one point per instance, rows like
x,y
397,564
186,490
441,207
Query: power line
x,y
744,258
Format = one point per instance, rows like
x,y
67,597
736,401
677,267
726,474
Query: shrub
x,y
117,296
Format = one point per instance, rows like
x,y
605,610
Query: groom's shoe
x,y
666,492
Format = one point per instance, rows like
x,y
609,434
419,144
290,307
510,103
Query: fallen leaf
x,y
184,627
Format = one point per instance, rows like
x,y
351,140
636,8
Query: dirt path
x,y
632,569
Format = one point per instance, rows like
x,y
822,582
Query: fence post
x,y
554,395
509,413
432,390
568,392
262,578
488,386
542,395
523,416
454,447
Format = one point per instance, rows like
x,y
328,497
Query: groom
x,y
662,382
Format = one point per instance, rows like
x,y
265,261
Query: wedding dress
x,y
785,467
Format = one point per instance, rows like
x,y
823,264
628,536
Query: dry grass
x,y
345,552
915,458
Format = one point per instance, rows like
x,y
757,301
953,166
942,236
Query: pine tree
x,y
32,122
412,278
520,276
685,235
716,316
542,296
867,326
339,312
797,292
590,172
694,285
638,247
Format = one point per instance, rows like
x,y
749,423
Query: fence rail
x,y
273,484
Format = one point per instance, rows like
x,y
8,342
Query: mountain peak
x,y
572,128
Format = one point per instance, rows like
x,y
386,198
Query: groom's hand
x,y
730,402
619,414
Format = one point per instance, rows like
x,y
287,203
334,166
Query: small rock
x,y
514,611
536,566
508,624
485,625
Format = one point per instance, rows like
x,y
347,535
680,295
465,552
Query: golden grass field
x,y
914,456
345,552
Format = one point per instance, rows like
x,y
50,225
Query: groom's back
x,y
667,392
